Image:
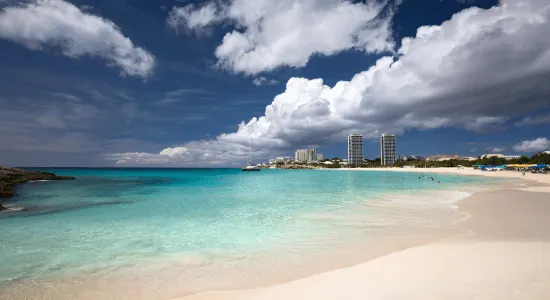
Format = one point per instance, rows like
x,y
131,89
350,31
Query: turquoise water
x,y
109,218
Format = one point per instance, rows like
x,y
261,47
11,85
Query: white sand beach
x,y
505,256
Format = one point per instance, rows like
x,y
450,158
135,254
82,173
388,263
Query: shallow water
x,y
173,223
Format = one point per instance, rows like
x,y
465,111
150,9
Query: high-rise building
x,y
306,155
312,155
355,149
387,150
301,155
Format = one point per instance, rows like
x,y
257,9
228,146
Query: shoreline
x,y
543,179
502,240
288,267
337,267
61,287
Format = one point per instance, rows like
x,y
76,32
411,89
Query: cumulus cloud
x,y
475,70
43,23
539,144
200,153
270,34
534,121
264,81
498,149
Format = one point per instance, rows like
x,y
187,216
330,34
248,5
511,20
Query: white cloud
x,y
195,18
86,7
185,94
200,153
475,70
485,123
270,34
68,97
58,23
539,144
534,121
264,81
498,149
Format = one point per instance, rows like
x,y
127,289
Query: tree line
x,y
539,158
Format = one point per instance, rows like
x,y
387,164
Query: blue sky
x,y
167,83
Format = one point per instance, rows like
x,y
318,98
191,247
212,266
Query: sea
x,y
162,233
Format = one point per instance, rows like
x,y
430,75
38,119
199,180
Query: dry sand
x,y
506,256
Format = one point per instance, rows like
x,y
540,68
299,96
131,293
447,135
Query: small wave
x,y
41,180
9,208
49,210
439,198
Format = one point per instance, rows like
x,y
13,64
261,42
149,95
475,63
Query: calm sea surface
x,y
116,220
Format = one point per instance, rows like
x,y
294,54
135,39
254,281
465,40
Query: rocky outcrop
x,y
10,177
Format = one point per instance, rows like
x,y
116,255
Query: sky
x,y
146,83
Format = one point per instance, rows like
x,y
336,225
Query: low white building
x,y
280,160
507,157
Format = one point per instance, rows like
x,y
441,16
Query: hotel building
x,y
355,149
306,155
387,150
301,155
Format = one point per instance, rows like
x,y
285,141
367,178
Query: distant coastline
x,y
540,178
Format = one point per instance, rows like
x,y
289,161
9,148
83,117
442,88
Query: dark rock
x,y
10,177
